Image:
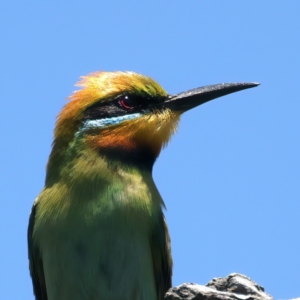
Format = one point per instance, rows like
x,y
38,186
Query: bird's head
x,y
125,115
117,110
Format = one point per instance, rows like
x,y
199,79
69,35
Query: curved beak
x,y
186,100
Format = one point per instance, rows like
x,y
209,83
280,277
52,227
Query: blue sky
x,y
230,176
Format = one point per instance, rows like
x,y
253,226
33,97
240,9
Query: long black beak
x,y
192,98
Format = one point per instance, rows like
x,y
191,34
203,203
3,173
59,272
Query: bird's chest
x,y
115,211
99,244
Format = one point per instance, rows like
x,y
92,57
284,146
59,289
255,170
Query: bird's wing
x,y
35,261
161,257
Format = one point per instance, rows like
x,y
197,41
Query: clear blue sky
x,y
230,177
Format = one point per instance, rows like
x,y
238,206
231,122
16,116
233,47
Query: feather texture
x,y
97,230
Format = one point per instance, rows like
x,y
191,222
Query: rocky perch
x,y
232,287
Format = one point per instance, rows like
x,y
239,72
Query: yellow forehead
x,y
102,86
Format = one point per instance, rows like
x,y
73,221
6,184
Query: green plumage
x,y
97,231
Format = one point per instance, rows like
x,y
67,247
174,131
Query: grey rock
x,y
233,287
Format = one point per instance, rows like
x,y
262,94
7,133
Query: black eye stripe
x,y
120,105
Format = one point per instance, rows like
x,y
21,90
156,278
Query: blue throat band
x,y
101,123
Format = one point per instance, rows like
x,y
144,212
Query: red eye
x,y
126,102
123,103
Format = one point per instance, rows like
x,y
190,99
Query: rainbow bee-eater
x,y
97,230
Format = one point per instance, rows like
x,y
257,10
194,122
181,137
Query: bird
x,y
97,230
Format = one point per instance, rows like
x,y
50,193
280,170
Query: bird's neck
x,y
141,158
79,160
